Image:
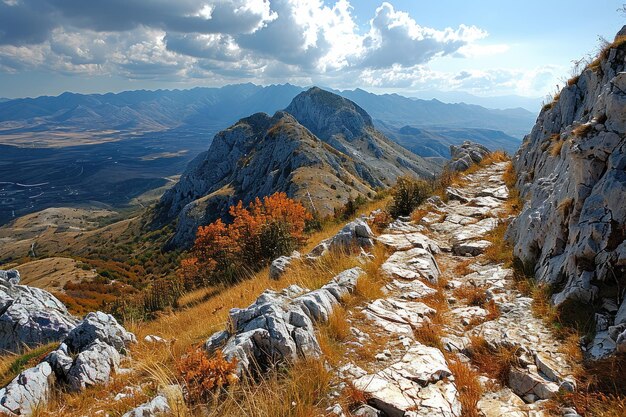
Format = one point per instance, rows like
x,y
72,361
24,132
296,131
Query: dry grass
x,y
468,385
354,396
419,214
555,148
494,362
298,391
500,251
12,364
462,268
337,327
596,64
473,295
583,130
509,177
430,334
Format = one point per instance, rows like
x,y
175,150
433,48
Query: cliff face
x,y
572,175
260,155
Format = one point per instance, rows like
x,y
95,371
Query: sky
x,y
485,48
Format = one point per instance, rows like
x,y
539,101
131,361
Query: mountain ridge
x,y
263,154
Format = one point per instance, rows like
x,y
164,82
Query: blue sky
x,y
482,47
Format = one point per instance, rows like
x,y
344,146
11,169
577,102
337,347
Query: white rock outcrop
x,y
278,326
29,316
572,174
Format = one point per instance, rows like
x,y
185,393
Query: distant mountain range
x,y
436,141
532,104
322,150
138,139
201,107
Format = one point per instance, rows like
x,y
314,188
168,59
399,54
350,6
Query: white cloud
x,y
299,41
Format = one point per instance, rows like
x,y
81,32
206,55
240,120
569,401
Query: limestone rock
x,y
416,263
278,326
158,406
571,230
414,386
28,390
99,326
470,247
528,384
466,154
93,365
29,316
280,264
405,241
355,234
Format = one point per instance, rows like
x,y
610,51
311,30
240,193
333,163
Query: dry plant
x,y
468,385
496,362
297,391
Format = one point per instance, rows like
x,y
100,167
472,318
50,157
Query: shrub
x,y
408,194
259,233
203,375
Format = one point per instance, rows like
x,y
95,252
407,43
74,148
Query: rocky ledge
x,y
89,355
278,326
572,175
29,316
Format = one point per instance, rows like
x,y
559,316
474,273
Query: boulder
x,y
466,154
280,264
93,365
29,316
355,234
279,326
28,390
99,326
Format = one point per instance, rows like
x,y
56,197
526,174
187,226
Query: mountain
x,y
571,233
142,110
400,111
436,141
492,102
87,150
322,150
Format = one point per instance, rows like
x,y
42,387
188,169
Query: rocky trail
x,y
441,259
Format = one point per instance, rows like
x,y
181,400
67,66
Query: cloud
x,y
395,38
300,41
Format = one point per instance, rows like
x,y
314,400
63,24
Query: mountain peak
x,y
327,114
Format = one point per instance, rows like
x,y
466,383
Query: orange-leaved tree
x,y
259,233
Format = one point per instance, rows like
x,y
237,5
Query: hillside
x,y
571,170
322,151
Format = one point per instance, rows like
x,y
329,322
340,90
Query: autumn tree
x,y
258,233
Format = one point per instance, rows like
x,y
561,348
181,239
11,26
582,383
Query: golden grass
x,y
462,268
418,215
495,363
468,385
500,251
430,334
473,295
12,364
555,148
509,176
582,130
298,391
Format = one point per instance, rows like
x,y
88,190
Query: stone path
x,y
412,379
